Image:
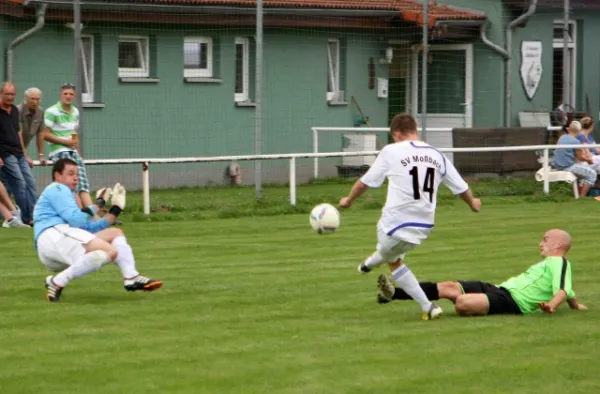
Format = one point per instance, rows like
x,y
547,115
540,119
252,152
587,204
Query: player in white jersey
x,y
414,170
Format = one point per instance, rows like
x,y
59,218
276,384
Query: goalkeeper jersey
x,y
540,283
57,205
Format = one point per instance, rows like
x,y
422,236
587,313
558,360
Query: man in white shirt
x,y
414,170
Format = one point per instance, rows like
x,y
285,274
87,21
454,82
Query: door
x,y
449,86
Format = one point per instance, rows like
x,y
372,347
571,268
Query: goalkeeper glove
x,y
117,199
102,195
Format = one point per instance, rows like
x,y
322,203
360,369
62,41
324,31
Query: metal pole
x,y
566,64
78,72
315,150
424,70
546,164
258,98
146,187
292,180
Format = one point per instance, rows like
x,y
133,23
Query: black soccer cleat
x,y
142,283
363,269
53,290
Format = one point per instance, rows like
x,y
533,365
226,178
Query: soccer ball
x,y
324,218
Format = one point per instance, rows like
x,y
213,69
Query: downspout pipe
x,y
508,69
39,24
489,43
497,48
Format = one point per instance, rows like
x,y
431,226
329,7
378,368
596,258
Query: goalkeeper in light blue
x,y
72,244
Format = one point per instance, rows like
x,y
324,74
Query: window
x,y
559,31
242,69
87,59
334,93
197,57
133,57
558,96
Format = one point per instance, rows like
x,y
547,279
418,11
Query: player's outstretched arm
x,y
458,186
556,301
357,190
62,201
374,177
117,197
574,304
561,286
472,202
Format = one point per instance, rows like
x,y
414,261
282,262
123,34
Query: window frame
x,y
199,72
144,57
558,25
88,76
245,95
333,75
558,43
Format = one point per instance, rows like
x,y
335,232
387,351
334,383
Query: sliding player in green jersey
x,y
544,286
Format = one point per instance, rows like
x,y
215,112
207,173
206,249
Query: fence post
x,y
546,165
315,150
146,187
293,181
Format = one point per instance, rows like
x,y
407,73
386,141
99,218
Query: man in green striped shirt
x,y
543,287
62,121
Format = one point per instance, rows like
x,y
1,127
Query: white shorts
x,y
61,246
391,248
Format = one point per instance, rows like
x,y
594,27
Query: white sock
x,y
125,260
374,260
89,263
405,279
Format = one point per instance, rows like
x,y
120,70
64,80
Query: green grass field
x,y
261,304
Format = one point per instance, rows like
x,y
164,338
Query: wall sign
x,y
531,66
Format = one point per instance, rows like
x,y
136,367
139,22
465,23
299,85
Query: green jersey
x,y
61,124
540,283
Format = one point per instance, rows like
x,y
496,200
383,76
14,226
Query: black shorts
x,y
500,300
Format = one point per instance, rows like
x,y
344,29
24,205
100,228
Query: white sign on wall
x,y
531,66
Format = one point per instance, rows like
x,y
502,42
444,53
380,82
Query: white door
x,y
449,86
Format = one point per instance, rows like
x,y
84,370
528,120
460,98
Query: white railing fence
x,y
316,130
292,157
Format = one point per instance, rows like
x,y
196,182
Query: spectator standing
x,y
15,164
61,123
31,118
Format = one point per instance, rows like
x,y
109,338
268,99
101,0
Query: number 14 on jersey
x,y
427,183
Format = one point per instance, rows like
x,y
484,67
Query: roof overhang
x,y
357,14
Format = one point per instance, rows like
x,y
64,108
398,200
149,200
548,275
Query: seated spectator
x,y
576,161
10,213
586,137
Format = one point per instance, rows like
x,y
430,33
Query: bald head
x,y
7,86
8,92
556,242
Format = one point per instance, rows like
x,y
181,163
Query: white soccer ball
x,y
324,218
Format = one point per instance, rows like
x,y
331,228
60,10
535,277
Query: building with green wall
x,y
176,78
